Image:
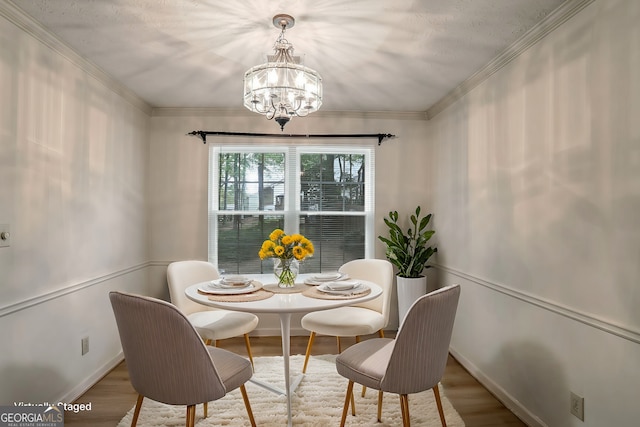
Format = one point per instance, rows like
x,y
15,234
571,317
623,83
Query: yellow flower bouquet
x,y
287,251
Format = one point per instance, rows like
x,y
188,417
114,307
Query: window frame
x,y
293,151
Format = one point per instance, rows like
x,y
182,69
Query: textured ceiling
x,y
373,55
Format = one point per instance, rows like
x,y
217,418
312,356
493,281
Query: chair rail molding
x,y
588,319
65,290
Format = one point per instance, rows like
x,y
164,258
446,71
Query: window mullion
x,y
212,205
292,189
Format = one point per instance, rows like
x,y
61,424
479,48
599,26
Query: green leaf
x,y
427,234
424,222
414,220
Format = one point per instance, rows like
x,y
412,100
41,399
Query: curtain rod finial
x,y
200,133
383,136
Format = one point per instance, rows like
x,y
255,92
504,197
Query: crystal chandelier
x,y
282,88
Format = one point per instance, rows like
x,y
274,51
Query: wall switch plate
x,y
577,406
5,235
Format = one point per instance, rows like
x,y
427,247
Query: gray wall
x,y
537,206
73,188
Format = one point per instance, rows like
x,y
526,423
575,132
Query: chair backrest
x,y
181,275
166,358
378,271
421,348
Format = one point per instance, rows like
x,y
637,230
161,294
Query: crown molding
x,y
25,22
555,19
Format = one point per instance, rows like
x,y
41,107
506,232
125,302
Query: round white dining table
x,y
283,304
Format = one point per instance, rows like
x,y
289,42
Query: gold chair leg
x,y
247,405
136,412
380,393
353,405
381,333
339,345
191,416
404,406
247,343
312,337
436,393
205,408
208,341
347,399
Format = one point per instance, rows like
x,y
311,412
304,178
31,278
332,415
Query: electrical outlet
x,y
5,235
577,406
85,345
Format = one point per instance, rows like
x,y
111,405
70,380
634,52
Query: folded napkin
x,y
342,285
235,281
325,277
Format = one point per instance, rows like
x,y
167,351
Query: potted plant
x,y
409,252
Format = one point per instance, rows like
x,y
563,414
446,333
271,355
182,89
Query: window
x,y
322,192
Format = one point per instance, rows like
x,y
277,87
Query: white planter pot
x,y
409,290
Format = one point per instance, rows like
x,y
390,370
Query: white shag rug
x,y
317,401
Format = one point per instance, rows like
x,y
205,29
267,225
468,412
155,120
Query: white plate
x,y
217,289
315,282
222,284
353,290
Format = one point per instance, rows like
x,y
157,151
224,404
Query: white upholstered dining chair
x,y
212,324
167,360
412,362
356,320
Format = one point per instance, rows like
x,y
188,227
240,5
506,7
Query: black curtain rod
x,y
381,136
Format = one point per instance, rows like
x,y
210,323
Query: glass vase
x,y
286,271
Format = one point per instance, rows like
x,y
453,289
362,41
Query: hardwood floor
x,y
113,395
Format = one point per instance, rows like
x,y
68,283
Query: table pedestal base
x,y
295,382
289,385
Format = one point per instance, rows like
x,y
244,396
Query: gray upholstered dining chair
x,y
355,320
167,360
212,324
412,362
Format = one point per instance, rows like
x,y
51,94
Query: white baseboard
x,y
505,398
90,381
